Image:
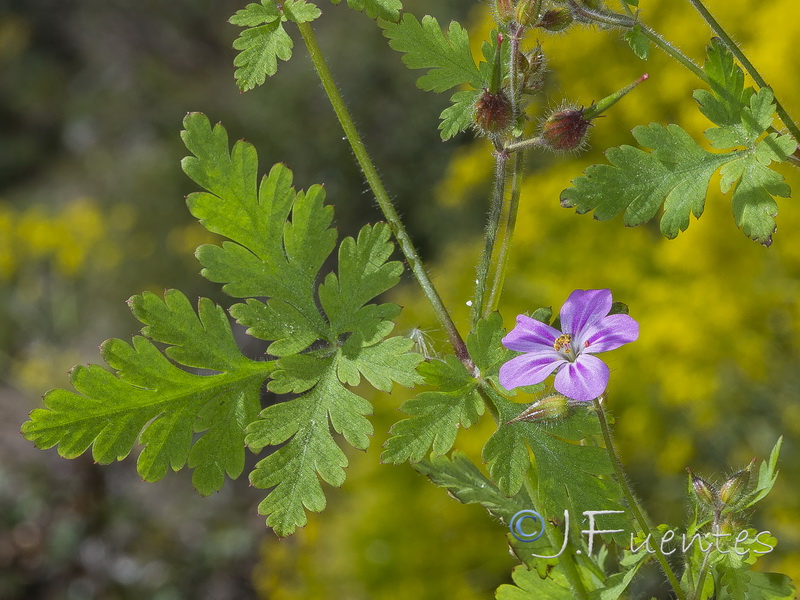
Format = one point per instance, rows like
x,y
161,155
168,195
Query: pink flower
x,y
586,329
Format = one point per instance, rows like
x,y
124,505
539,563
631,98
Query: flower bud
x,y
565,130
504,10
704,491
493,112
531,67
550,408
734,488
556,19
526,13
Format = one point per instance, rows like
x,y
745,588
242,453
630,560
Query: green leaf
x,y
767,476
424,45
468,485
529,585
485,345
264,40
638,42
151,399
300,11
260,48
435,415
676,173
570,475
770,586
272,257
279,241
458,116
293,469
364,273
256,14
616,584
376,9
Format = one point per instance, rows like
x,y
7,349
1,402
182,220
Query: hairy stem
x,y
737,52
385,203
701,578
626,22
498,192
508,234
631,499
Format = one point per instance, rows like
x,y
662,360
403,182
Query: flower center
x,y
563,344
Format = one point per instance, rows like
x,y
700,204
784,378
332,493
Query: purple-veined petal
x,y
583,309
531,335
529,369
610,333
583,380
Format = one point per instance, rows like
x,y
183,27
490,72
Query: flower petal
x,y
609,333
531,335
528,369
583,380
583,309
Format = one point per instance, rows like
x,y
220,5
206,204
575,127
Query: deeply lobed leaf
x,y
677,172
327,336
150,399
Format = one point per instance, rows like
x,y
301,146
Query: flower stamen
x,y
563,344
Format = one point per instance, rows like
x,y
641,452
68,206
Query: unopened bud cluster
x,y
728,498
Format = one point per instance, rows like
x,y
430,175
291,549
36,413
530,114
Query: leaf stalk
x,y
376,185
631,499
740,56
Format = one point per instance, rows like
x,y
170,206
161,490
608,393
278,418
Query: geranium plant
x,y
551,474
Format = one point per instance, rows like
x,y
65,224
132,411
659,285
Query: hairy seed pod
x,y
565,130
493,112
550,408
704,491
734,488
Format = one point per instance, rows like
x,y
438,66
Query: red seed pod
x,y
493,112
565,130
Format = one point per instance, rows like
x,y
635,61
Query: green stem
x,y
498,192
701,578
632,502
508,234
626,22
524,144
385,203
737,52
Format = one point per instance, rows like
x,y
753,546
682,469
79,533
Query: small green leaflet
x,y
675,174
151,399
456,402
468,485
326,336
570,475
264,40
529,585
376,9
638,42
448,59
